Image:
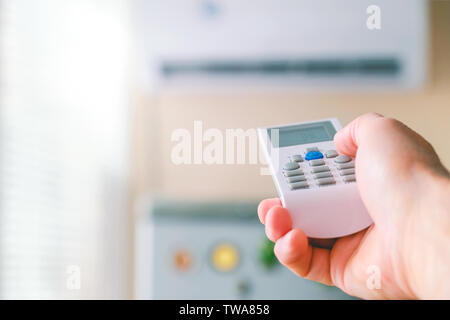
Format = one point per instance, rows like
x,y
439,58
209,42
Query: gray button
x,y
350,178
291,166
342,158
299,185
331,154
297,158
346,172
324,181
347,165
311,149
320,169
296,178
322,175
292,173
317,162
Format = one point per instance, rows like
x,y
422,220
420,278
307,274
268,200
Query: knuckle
x,y
287,249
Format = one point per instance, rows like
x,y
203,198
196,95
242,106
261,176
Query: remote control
x,y
314,182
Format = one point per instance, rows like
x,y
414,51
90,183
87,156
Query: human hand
x,y
406,190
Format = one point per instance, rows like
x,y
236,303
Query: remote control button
x,y
347,165
299,185
318,162
291,166
296,178
323,175
311,149
346,172
292,173
342,158
297,158
350,178
320,169
331,154
313,155
325,181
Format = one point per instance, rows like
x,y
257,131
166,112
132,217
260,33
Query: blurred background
x,y
91,203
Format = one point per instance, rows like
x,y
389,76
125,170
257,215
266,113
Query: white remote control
x,y
315,183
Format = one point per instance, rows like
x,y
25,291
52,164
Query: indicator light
x,y
225,257
182,260
266,255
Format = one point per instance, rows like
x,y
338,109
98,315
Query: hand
x,y
407,193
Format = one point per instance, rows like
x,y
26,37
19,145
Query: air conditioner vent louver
x,y
320,67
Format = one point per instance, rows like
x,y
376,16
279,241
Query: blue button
x,y
313,155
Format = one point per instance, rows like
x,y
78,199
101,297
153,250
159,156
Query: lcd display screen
x,y
302,134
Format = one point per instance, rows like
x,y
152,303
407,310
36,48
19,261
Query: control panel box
x,y
213,250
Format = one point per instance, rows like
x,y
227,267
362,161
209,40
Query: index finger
x,y
265,206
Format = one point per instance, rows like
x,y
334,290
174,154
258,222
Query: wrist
x,y
426,250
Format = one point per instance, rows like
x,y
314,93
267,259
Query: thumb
x,y
349,138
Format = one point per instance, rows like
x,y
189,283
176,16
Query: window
x,y
64,148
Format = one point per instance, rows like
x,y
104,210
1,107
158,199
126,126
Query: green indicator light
x,y
266,255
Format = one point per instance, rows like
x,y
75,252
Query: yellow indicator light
x,y
225,257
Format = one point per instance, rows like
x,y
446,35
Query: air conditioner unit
x,y
311,44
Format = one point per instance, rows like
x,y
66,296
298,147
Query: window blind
x,y
64,148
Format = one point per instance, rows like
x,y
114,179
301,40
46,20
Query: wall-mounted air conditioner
x,y
311,44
